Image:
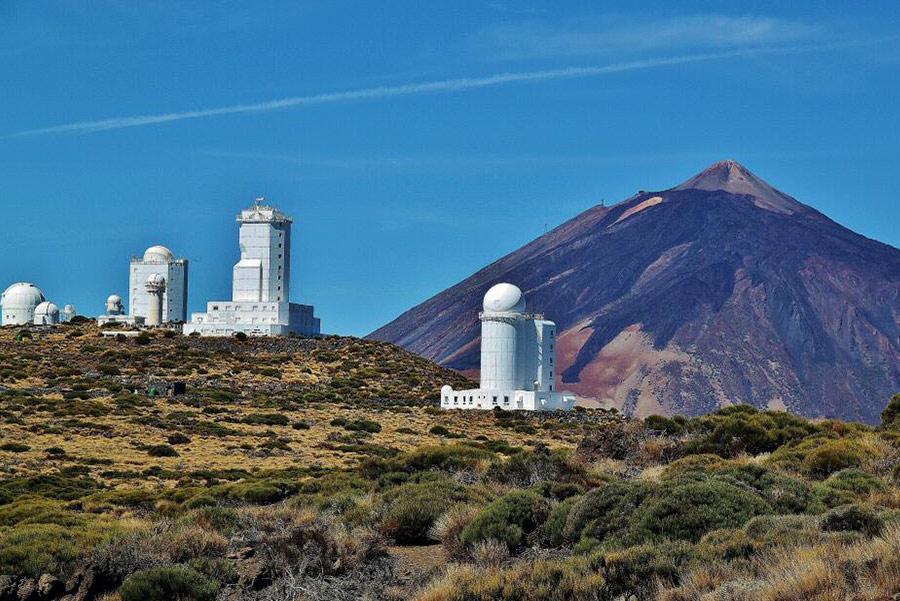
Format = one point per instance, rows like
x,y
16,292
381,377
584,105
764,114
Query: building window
x,y
506,400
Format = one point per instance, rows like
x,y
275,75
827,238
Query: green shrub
x,y
891,413
832,456
508,520
606,512
675,426
162,450
170,583
363,425
553,530
178,438
852,518
687,512
410,509
241,336
637,570
783,493
849,485
744,429
450,457
439,430
267,419
14,447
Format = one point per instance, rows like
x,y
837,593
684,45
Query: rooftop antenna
x,y
259,200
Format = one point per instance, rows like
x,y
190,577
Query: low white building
x,y
518,359
260,296
115,313
158,262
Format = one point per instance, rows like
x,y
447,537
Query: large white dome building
x,y
18,303
518,359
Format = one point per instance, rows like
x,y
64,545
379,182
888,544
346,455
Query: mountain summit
x,y
732,177
720,290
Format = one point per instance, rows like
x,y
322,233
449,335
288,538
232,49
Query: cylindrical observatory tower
x,y
156,286
504,309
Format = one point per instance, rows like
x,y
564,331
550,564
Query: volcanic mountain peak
x,y
732,177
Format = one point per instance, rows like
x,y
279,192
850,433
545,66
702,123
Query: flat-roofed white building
x,y
260,292
518,359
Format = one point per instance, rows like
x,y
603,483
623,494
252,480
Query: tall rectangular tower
x,y
263,274
159,260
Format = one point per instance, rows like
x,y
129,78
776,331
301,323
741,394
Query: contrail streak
x,y
431,87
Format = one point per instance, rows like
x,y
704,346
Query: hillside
x,y
313,470
720,290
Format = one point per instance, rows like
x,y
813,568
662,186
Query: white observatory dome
x,y
504,298
114,299
46,313
157,280
22,295
158,254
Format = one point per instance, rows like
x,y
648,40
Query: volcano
x,y
721,290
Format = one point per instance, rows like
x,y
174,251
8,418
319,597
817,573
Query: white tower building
x,y
159,260
19,302
156,290
518,359
260,293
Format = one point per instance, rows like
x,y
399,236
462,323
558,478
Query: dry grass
x,y
864,571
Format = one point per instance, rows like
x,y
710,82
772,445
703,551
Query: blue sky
x,y
414,142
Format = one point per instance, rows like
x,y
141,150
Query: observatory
x,y
158,261
115,313
19,302
518,359
69,313
46,314
260,294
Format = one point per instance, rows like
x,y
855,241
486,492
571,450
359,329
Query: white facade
x,y
158,260
518,359
18,303
260,294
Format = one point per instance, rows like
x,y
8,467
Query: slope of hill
x,y
720,290
285,473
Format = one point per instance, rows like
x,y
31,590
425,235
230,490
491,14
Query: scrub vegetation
x,y
322,469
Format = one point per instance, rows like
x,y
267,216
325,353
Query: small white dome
x,y
69,309
114,299
22,295
504,298
46,308
155,279
158,254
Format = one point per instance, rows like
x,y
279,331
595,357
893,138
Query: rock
x,y
49,586
8,586
242,553
27,590
251,575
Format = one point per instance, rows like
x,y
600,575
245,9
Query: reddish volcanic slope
x,y
720,290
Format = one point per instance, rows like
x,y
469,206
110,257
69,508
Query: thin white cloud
x,y
603,36
431,87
